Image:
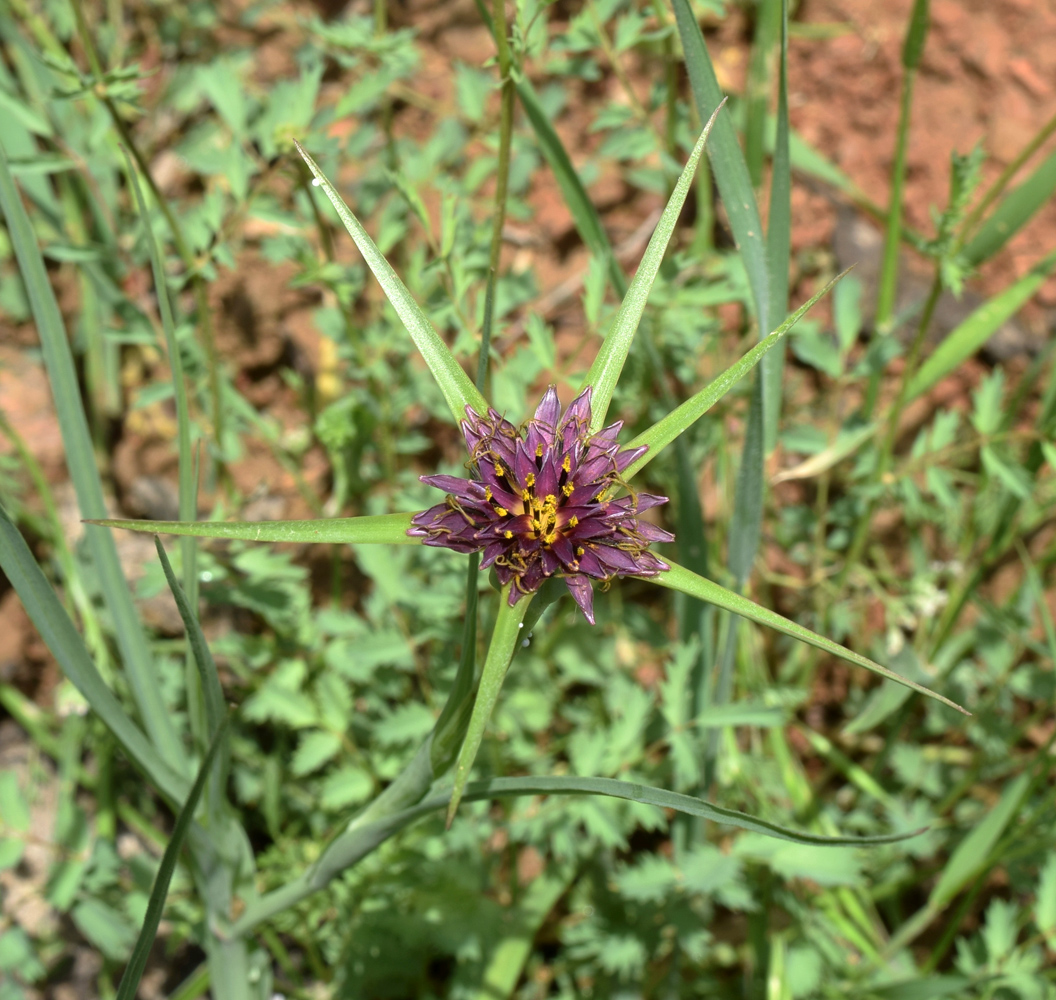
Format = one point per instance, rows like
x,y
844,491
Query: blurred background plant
x,y
887,485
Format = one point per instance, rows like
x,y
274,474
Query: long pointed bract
x,y
454,383
680,578
605,372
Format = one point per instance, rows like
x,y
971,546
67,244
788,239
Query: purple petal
x,y
468,489
583,594
625,458
578,411
549,409
651,533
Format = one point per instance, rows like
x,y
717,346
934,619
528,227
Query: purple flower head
x,y
542,503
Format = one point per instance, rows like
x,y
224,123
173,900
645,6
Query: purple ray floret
x,y
542,503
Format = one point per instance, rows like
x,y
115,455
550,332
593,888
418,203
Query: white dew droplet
x,y
316,182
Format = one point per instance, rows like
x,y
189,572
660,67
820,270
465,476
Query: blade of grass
x,y
778,239
504,641
970,858
66,645
584,215
80,459
187,491
388,529
454,383
137,963
681,579
605,372
1014,211
963,341
757,90
208,677
355,845
665,430
727,163
911,53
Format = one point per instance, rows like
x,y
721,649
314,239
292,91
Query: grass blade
x,y
1014,211
66,645
126,990
681,579
665,430
727,163
584,214
962,342
911,53
778,241
504,641
746,524
389,529
209,677
80,459
605,372
456,386
973,853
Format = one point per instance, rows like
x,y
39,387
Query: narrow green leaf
x,y
928,988
80,459
778,240
659,797
681,579
963,341
746,524
740,714
504,641
187,485
388,529
359,840
911,50
584,214
511,953
1013,212
207,672
66,645
156,904
664,431
605,372
455,384
727,163
973,853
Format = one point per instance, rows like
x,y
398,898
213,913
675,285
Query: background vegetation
x,y
882,485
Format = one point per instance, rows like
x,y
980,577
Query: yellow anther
x,y
567,464
501,511
551,500
529,480
487,493
567,489
539,450
499,471
581,551
507,534
573,521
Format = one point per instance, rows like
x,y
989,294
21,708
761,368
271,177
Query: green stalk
x,y
502,181
911,52
887,448
198,285
997,188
